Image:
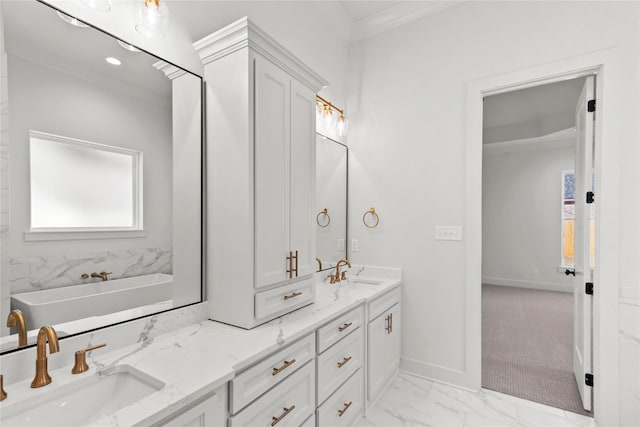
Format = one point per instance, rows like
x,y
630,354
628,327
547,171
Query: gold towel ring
x,y
324,212
373,213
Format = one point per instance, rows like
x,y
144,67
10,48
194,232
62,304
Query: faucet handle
x,y
81,365
3,394
105,274
332,279
343,276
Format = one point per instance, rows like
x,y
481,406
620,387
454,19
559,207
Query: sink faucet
x,y
16,317
46,333
337,277
103,275
319,263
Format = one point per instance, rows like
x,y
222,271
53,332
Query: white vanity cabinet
x,y
260,124
209,411
383,343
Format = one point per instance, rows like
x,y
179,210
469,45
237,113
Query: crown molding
x,y
244,33
171,71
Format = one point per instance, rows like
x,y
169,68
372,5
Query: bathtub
x,y
54,306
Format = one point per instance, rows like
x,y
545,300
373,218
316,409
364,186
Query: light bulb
x,y
343,125
152,18
328,119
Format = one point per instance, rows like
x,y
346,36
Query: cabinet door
x,y
271,165
209,413
303,126
383,350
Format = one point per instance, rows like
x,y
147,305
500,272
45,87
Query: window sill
x,y
48,235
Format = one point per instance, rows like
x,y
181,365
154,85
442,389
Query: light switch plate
x,y
448,232
341,244
354,245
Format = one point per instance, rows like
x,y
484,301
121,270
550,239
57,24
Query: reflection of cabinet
x,y
383,350
260,120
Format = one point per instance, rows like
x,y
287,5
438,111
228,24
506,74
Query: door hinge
x,y
588,379
591,105
591,197
588,288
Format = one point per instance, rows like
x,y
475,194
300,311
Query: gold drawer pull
x,y
286,412
284,366
345,360
345,326
293,295
343,410
388,325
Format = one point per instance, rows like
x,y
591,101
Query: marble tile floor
x,y
412,401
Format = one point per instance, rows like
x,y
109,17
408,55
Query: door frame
x,y
606,65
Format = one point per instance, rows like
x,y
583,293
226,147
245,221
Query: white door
x,y
582,327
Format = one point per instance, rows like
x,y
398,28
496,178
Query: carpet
x,y
527,340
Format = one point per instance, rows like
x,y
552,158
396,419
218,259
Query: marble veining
x,y
412,401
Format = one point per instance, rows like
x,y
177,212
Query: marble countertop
x,y
197,359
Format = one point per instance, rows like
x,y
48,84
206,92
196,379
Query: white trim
x,y
79,234
528,284
609,122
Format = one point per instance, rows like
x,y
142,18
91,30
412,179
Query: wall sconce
x,y
152,18
330,118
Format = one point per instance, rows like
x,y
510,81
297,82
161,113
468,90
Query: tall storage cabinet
x,y
260,124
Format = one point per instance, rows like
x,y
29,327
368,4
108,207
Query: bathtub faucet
x,y
103,275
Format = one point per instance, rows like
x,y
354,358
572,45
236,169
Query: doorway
x,y
529,242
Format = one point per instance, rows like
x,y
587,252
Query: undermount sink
x,y
363,281
83,401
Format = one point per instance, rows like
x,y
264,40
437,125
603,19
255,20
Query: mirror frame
x,y
202,191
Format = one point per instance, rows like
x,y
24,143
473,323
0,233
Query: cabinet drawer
x,y
259,378
345,406
339,363
285,298
287,404
338,328
381,304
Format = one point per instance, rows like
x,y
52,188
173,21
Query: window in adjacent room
x,y
568,220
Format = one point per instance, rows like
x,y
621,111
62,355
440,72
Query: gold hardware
x,y
390,322
375,216
293,295
80,364
344,361
16,317
345,326
319,263
343,410
344,277
46,333
287,411
324,212
332,279
156,3
3,394
284,366
291,270
84,276
103,275
296,263
388,325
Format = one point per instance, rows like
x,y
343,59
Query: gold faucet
x,y
103,275
319,264
338,277
3,394
16,317
46,333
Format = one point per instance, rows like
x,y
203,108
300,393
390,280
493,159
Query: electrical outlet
x,y
448,232
341,244
354,245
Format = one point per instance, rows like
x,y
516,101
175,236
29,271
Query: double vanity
x,y
325,364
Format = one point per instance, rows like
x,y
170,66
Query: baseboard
x,y
441,374
528,284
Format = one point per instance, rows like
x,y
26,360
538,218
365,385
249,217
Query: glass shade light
x,y
319,110
152,18
343,125
329,118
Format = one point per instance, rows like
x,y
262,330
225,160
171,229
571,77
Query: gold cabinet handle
x,y
287,411
345,326
296,263
387,327
344,361
290,269
293,295
284,366
390,322
343,410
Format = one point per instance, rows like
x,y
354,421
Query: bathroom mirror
x,y
101,151
331,201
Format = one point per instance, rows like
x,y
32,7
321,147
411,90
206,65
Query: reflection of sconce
x,y
329,119
325,214
152,18
374,217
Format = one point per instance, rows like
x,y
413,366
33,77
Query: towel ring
x,y
324,212
375,216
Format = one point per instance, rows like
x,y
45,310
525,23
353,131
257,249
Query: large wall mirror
x,y
101,151
331,201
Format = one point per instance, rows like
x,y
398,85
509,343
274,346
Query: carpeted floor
x,y
527,338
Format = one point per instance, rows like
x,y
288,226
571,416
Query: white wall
x,y
408,109
521,214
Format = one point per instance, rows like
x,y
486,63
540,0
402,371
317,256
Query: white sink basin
x,y
360,280
81,402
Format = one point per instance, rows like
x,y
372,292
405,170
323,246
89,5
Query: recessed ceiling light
x,y
129,47
102,5
113,61
71,20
